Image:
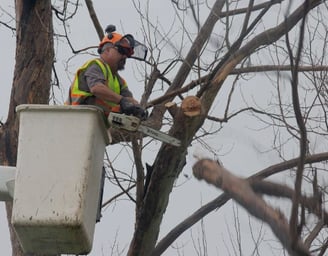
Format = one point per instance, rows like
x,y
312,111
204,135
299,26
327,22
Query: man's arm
x,y
103,92
125,92
96,82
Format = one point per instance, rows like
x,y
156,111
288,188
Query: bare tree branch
x,y
300,122
218,202
254,8
254,69
318,227
94,18
241,191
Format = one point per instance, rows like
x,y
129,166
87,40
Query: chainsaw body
x,y
133,124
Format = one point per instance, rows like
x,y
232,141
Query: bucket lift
x,y
56,184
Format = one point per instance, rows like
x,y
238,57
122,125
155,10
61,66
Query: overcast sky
x,y
117,222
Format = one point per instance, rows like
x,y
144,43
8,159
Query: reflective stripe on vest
x,y
78,97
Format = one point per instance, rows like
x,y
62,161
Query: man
x,y
98,83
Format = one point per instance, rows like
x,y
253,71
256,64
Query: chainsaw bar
x,y
159,135
133,124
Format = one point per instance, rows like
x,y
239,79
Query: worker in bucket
x,y
98,82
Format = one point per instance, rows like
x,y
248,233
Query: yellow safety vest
x,y
79,97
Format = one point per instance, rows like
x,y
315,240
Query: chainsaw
x,y
133,124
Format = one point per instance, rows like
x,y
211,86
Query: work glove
x,y
126,106
140,112
129,108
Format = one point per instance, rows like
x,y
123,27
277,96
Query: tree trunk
x,y
166,168
32,77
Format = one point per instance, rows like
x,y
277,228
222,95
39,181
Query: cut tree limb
x,y
219,201
241,191
191,106
172,108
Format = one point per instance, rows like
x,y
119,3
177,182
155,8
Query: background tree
x,y
32,76
212,58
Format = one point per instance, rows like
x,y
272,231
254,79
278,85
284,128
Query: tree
x,y
32,77
210,62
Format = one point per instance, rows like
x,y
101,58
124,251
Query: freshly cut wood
x,y
191,106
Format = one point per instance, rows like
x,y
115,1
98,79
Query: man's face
x,y
116,58
121,63
124,52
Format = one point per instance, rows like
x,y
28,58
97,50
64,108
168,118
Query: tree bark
x,y
32,77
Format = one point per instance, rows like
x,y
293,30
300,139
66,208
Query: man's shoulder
x,y
95,65
94,69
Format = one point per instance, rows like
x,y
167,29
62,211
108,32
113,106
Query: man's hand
x,y
132,100
126,105
130,108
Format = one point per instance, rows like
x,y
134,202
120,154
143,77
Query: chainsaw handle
x,y
129,108
130,123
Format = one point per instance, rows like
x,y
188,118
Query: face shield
x,y
126,45
131,47
140,51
